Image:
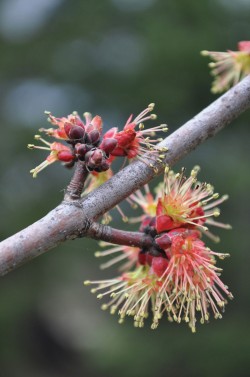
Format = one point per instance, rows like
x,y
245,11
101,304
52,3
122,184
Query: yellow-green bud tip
x,y
151,106
33,172
204,53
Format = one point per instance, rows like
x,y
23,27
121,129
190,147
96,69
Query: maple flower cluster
x,y
177,276
84,141
229,67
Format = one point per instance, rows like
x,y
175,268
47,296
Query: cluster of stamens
x,y
177,275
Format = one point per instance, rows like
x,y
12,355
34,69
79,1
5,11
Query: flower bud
x,y
108,145
82,149
94,157
93,136
75,133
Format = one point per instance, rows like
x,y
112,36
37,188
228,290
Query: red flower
x,y
185,202
59,152
131,142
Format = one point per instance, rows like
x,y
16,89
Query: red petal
x,y
159,207
159,265
244,46
65,156
110,133
163,241
97,123
118,152
163,223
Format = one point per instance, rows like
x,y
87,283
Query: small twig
x,y
76,185
119,237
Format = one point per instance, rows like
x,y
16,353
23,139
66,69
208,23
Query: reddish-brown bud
x,y
93,136
82,149
76,133
108,145
94,157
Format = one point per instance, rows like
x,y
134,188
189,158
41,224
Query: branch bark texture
x,y
73,219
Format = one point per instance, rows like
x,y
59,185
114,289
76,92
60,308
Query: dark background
x,y
112,58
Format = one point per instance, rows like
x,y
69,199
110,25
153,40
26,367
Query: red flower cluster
x,y
87,144
177,275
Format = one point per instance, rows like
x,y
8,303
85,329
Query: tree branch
x,y
71,220
119,237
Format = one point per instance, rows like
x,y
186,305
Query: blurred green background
x,y
112,58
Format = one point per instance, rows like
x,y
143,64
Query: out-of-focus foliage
x,y
112,58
